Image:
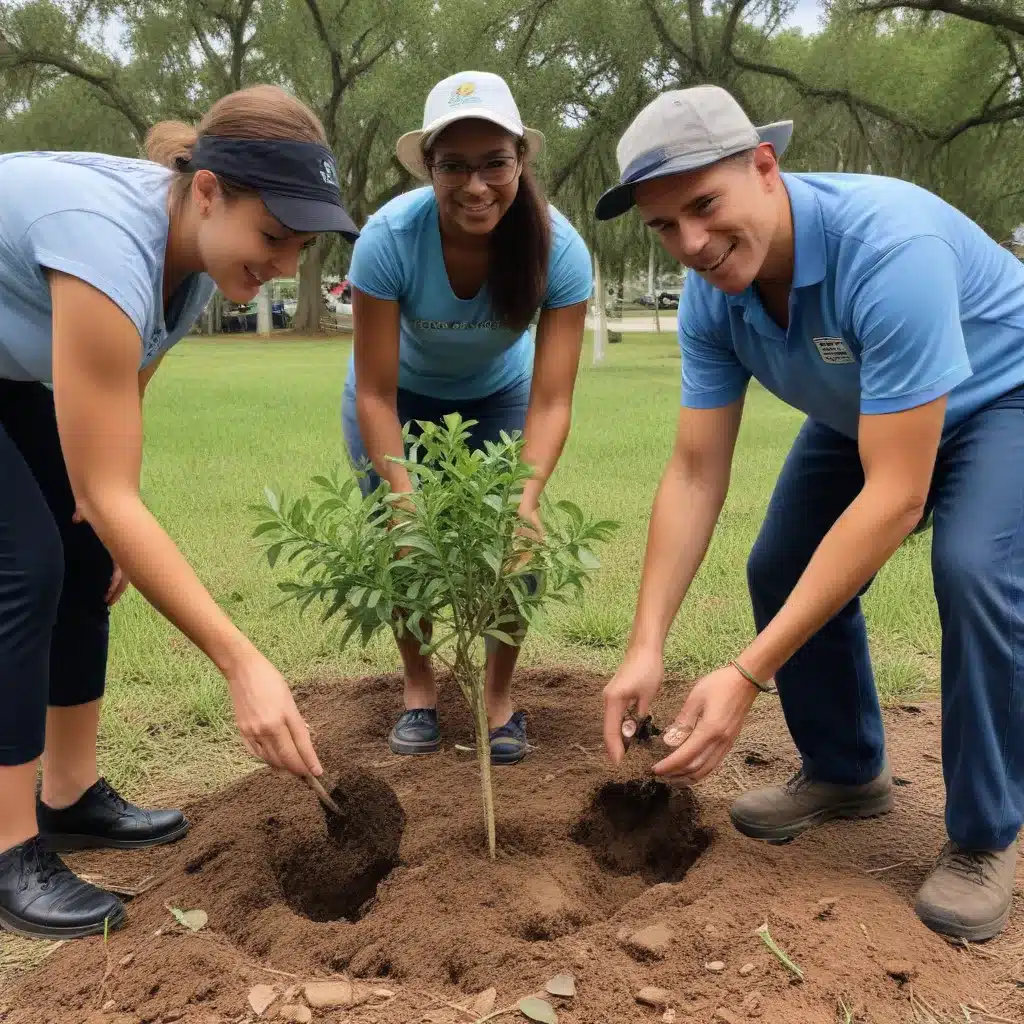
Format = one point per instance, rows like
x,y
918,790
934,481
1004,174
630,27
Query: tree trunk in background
x,y
600,321
309,301
650,289
264,315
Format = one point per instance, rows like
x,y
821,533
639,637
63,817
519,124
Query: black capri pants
x,y
54,576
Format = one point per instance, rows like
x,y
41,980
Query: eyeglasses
x,y
499,170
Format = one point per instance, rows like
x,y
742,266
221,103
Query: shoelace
x,y
106,790
796,782
38,861
969,863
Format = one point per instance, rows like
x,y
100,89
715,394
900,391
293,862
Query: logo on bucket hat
x,y
684,130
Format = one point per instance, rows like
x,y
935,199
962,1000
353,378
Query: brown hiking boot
x,y
969,892
779,814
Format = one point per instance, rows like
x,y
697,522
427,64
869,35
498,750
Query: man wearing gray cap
x,y
897,326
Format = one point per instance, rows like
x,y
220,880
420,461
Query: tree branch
x,y
667,40
12,57
538,10
971,10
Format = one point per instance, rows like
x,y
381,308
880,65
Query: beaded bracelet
x,y
763,687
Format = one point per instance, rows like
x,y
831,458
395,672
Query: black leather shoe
x,y
101,819
41,898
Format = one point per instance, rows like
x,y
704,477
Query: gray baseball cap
x,y
684,130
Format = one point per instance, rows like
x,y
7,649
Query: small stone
x,y
109,1005
753,1000
296,1012
710,929
716,966
669,1016
126,960
484,1002
623,933
172,1016
747,969
203,991
651,942
335,993
649,995
260,997
723,1014
549,777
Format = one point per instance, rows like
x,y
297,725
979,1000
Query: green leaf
x,y
589,559
501,635
538,1010
273,552
266,528
373,599
355,598
272,499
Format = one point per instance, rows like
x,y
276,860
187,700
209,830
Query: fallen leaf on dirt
x,y
484,1002
191,919
126,960
538,1010
260,997
724,1015
562,985
336,993
747,969
296,1012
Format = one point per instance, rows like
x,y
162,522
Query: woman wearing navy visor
x,y
446,280
106,262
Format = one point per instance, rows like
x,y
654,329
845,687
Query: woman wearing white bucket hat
x,y
446,282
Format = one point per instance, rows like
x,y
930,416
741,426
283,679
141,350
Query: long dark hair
x,y
517,275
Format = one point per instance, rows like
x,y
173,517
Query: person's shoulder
x,y
563,231
877,212
130,193
406,212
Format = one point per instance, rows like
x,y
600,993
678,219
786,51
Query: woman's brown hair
x,y
258,112
517,274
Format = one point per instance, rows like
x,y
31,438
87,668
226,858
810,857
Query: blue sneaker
x,y
508,741
416,732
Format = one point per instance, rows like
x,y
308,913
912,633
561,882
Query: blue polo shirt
x,y
897,299
453,348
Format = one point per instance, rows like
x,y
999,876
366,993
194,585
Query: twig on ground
x,y
514,1008
441,999
888,867
271,970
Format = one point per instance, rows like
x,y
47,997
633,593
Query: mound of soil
x,y
613,877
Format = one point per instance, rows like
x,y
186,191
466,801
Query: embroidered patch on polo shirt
x,y
834,350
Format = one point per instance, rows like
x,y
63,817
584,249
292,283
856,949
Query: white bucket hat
x,y
476,94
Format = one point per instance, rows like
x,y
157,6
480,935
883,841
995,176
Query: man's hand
x,y
635,685
707,726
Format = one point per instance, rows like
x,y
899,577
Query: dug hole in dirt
x,y
632,887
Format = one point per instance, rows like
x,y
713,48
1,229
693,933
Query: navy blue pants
x,y
502,410
827,688
54,575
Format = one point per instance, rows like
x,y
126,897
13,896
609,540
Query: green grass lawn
x,y
223,419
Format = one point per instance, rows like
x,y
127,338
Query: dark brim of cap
x,y
310,215
621,198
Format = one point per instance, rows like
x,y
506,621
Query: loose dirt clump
x,y
613,877
643,827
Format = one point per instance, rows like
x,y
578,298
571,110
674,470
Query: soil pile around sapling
x,y
591,864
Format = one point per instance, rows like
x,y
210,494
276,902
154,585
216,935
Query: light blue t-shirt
x,y
898,299
99,218
451,347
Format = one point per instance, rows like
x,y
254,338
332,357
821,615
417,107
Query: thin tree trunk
x,y
650,289
309,301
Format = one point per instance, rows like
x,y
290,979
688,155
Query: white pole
x,y
600,322
263,317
